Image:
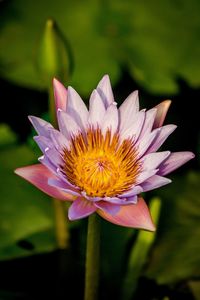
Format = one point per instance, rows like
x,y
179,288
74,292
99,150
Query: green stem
x,y
61,225
92,258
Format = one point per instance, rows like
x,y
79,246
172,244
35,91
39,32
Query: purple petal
x,y
154,182
110,208
97,109
144,175
174,161
58,139
153,160
121,200
48,164
77,108
67,124
60,94
143,144
60,184
148,122
132,192
81,208
133,215
39,175
163,133
162,109
128,110
54,156
42,127
105,91
110,120
135,128
43,142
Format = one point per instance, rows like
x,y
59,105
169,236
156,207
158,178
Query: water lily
x,y
103,158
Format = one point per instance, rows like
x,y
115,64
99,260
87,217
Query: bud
x,y
54,57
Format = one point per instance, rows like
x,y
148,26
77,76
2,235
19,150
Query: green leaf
x,y
25,211
176,255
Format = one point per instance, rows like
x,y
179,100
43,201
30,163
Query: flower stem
x,y
92,258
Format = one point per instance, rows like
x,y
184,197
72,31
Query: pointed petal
x,y
110,208
174,161
163,133
42,127
97,109
135,128
128,110
76,108
58,139
39,175
132,192
60,94
81,208
148,122
43,142
110,120
60,184
67,124
54,156
154,182
153,160
143,144
144,175
120,200
162,110
105,91
133,215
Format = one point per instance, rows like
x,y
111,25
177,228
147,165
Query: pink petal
x,y
128,110
162,109
133,215
41,126
39,175
105,91
110,120
97,109
77,108
154,182
110,208
60,94
81,208
174,161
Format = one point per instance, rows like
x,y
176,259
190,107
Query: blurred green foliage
x,y
156,40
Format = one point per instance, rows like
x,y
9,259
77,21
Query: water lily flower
x,y
103,158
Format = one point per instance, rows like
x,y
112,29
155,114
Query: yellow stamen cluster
x,y
99,164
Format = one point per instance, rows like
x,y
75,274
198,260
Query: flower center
x,y
99,164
